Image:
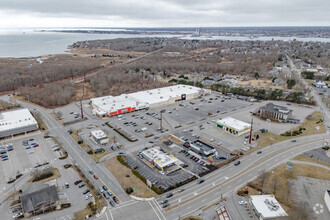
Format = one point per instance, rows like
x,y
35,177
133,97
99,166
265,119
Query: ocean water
x,y
28,43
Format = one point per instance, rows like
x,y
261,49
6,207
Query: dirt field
x,y
127,179
303,157
276,181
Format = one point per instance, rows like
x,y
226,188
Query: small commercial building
x,y
202,148
16,122
38,197
327,199
115,105
266,207
277,113
99,136
233,126
158,158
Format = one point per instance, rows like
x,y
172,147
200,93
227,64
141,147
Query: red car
x,y
115,199
95,176
36,145
77,182
203,162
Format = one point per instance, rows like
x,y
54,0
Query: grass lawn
x,y
309,125
127,179
303,157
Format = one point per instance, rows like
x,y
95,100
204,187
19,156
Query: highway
x,y
222,182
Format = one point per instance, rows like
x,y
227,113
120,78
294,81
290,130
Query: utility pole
x,y
161,121
251,132
81,110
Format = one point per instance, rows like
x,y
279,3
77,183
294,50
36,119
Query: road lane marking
x,y
154,210
242,172
159,208
81,157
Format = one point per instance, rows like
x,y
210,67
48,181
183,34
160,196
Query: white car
x,y
242,202
212,139
17,215
88,196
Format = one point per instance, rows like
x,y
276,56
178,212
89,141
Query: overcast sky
x,y
163,13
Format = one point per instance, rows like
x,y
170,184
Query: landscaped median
x,y
95,156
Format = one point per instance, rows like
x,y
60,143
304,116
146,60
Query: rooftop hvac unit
x,y
161,97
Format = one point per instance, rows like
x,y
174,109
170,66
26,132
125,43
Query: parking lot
x,y
85,134
153,174
23,158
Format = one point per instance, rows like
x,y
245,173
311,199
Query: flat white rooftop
x,y
142,99
16,119
161,159
155,96
267,206
234,124
98,134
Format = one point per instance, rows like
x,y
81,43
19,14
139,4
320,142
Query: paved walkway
x,y
310,163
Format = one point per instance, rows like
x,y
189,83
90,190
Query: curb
x,y
142,199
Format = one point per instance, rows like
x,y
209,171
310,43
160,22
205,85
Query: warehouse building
x,y
233,126
115,105
16,122
99,137
277,113
158,158
266,207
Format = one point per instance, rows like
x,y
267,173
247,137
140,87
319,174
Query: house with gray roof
x,y
37,197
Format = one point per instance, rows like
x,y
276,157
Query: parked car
x,y
112,203
180,190
17,215
166,205
77,182
81,185
67,185
88,196
36,145
91,172
237,163
86,191
109,193
294,141
259,152
105,188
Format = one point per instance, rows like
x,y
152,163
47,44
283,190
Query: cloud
x,y
163,13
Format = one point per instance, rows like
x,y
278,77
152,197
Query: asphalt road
x,y
79,156
224,181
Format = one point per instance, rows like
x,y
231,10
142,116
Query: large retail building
x,y
16,122
115,105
